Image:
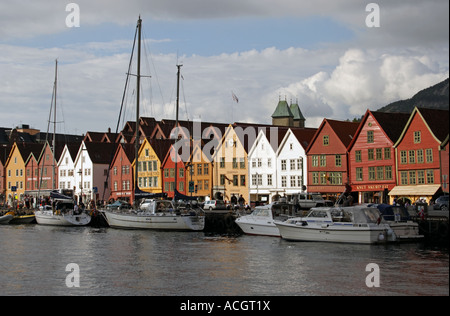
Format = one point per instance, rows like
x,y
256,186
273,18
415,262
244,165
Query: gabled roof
x,y
344,130
392,124
101,153
437,122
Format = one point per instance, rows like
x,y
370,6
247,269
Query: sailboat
x,y
153,213
63,211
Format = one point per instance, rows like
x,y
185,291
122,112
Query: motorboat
x,y
157,215
261,220
351,224
19,219
5,219
62,212
399,220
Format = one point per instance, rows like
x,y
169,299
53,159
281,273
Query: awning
x,y
415,190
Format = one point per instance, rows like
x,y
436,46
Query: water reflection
x,y
120,262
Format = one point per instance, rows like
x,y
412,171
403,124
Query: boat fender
x,y
381,237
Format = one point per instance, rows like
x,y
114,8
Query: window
x,y
403,157
293,164
315,178
387,153
420,156
326,140
371,173
283,164
269,179
315,161
293,181
235,180
370,154
430,176
380,173
358,157
283,182
243,183
269,163
404,178
412,156
412,177
338,160
388,172
417,137
222,162
420,177
429,155
323,178
235,164
379,153
242,163
222,179
259,163
323,160
205,169
370,138
199,169
359,174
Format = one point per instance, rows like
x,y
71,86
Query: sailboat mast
x,y
176,128
138,92
54,127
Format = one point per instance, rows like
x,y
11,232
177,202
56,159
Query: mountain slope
x,y
435,97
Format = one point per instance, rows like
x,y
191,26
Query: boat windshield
x,y
318,213
261,212
366,215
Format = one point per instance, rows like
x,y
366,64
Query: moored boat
x,y
64,212
5,219
157,215
261,220
19,219
400,221
353,224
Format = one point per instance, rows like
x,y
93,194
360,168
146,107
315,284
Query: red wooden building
x,y
418,155
168,167
372,157
121,173
328,158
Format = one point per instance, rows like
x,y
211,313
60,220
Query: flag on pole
x,y
235,98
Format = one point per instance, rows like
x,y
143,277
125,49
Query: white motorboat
x,y
157,215
353,224
400,221
63,213
5,219
261,220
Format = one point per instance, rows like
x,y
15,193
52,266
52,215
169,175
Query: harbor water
x,y
36,260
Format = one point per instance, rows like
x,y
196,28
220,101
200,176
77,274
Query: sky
x,y
336,58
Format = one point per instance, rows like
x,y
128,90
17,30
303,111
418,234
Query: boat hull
x,y
5,219
340,234
47,218
258,227
155,222
406,231
24,219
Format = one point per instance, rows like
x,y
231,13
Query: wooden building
x,y
372,157
327,155
418,155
